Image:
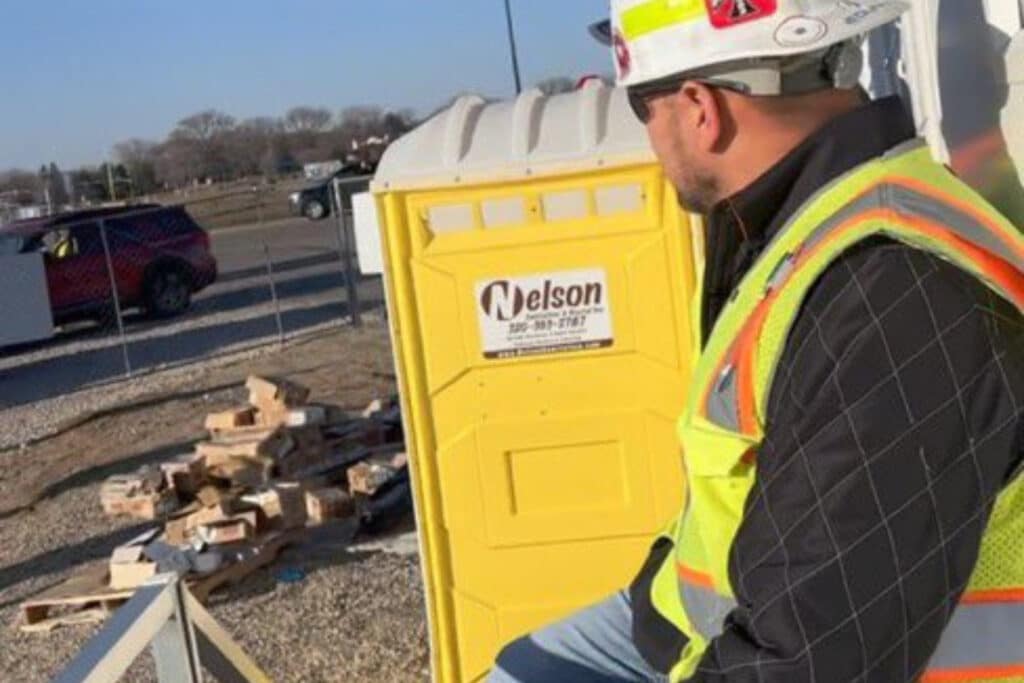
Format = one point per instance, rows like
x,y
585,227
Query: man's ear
x,y
701,112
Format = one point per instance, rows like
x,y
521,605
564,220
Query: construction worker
x,y
853,440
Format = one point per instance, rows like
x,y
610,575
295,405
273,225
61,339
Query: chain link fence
x,y
137,289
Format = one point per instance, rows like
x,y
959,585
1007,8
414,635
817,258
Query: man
x,y
854,439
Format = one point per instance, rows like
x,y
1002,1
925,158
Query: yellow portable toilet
x,y
539,276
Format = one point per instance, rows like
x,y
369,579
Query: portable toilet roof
x,y
476,141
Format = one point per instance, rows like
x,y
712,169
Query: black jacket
x,y
893,423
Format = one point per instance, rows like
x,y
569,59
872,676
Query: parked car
x,y
314,200
159,257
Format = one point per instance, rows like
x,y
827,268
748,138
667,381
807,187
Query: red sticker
x,y
729,13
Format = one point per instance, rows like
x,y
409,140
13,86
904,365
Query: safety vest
x,y
904,196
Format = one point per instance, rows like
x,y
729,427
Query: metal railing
x,y
182,636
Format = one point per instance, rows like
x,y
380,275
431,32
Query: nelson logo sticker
x,y
728,13
544,314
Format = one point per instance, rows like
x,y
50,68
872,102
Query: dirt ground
x,y
355,616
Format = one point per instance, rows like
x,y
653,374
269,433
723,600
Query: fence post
x,y
345,243
174,648
270,272
116,297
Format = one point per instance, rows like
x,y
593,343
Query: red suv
x,y
159,256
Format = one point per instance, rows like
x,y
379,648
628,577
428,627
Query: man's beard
x,y
699,193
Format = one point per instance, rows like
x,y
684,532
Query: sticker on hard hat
x,y
542,314
800,31
728,13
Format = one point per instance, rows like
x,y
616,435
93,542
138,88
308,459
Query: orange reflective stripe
x,y
1004,274
977,673
694,577
746,366
960,205
743,354
990,596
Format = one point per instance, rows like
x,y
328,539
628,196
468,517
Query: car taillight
x,y
204,238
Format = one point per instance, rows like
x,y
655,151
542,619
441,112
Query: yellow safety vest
x,y
905,196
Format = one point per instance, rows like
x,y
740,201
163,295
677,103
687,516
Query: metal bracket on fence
x,y
181,634
345,246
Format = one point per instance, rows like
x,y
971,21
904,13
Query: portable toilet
x,y
539,277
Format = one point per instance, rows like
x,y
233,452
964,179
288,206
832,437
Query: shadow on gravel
x,y
94,475
52,377
66,557
319,548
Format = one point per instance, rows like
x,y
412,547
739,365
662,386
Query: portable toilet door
x,y
539,276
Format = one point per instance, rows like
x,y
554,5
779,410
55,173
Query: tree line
x,y
212,146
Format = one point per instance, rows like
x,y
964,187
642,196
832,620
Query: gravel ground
x,y
356,616
27,423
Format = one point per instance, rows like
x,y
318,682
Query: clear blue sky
x,y
79,75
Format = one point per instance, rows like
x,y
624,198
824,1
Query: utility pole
x,y
512,46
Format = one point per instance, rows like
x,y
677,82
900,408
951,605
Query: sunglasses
x,y
639,96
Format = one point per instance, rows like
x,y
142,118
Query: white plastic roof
x,y
475,141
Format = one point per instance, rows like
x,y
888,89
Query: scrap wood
x,y
274,399
85,589
230,420
269,443
282,391
88,589
253,558
326,504
93,615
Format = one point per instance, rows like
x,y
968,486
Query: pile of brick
x,y
268,470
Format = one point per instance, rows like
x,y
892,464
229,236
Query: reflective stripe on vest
x,y
905,196
983,641
903,209
706,608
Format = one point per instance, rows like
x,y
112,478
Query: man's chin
x,y
695,202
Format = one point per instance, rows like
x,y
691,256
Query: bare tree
x,y
247,145
307,119
139,160
205,126
20,182
201,139
361,122
177,161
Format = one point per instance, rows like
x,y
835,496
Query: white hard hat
x,y
655,39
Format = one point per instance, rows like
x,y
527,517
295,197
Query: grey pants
x,y
592,646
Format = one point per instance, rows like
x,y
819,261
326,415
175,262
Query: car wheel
x,y
168,293
314,210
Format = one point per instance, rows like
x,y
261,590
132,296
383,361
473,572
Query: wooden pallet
x,y
88,590
86,597
262,554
